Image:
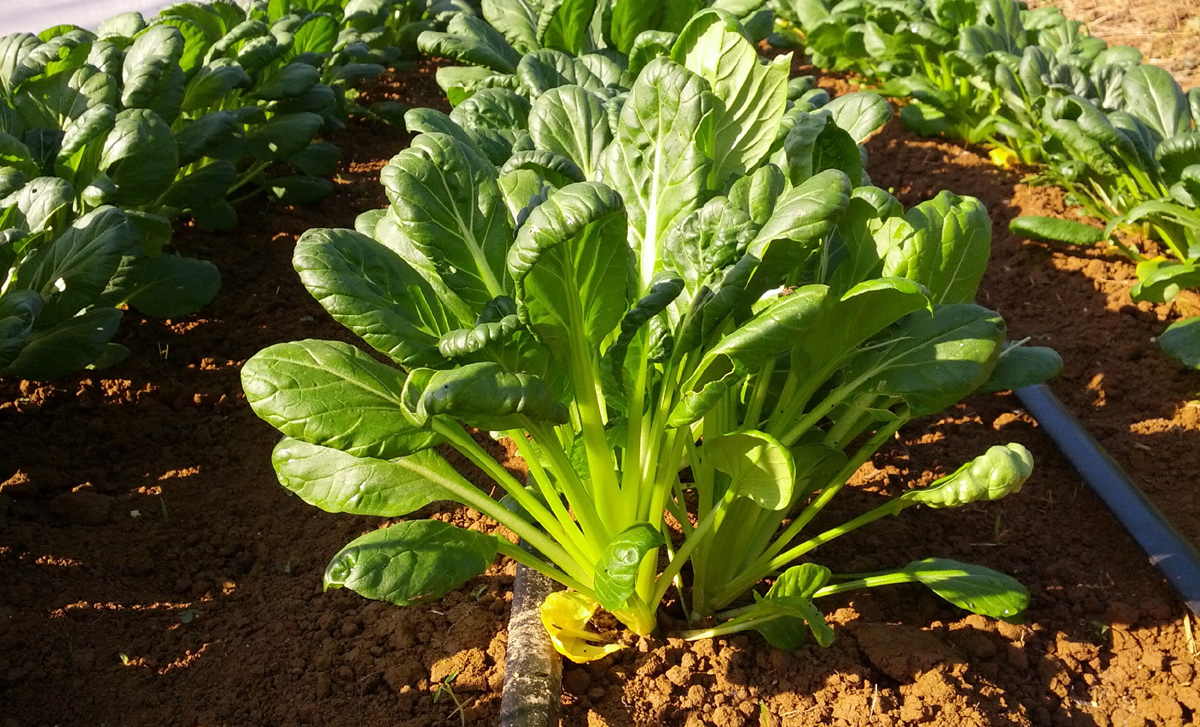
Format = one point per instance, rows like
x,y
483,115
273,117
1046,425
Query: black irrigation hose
x,y
532,668
1169,551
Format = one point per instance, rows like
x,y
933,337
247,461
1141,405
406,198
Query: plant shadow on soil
x,y
241,560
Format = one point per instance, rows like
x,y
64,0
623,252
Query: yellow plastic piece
x,y
1002,158
565,614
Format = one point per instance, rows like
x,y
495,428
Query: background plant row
x,y
1120,136
107,137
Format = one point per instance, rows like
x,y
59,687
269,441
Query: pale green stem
x,y
529,560
702,529
548,443
583,550
762,567
871,581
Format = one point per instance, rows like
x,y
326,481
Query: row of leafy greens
x,y
1120,136
108,136
681,304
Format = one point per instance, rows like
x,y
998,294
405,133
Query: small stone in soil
x,y
82,508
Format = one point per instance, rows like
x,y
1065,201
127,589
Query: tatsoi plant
x,y
678,303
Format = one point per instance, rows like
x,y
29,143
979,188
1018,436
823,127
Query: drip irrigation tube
x,y
532,668
1169,551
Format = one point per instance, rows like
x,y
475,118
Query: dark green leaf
x,y
334,395
972,587
411,562
1055,229
338,482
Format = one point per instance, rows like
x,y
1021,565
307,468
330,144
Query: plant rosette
x,y
674,300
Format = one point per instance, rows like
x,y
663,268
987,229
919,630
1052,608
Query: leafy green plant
x,y
1121,137
108,136
596,44
683,305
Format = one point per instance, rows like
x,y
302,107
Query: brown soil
x,y
156,575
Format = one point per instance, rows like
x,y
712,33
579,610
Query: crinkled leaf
x,y
617,568
1000,471
484,395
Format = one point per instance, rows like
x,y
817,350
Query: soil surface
x,y
155,574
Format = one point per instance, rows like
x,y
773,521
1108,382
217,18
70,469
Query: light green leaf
x,y
1153,95
933,361
375,293
759,467
656,162
860,114
447,203
949,251
1021,366
572,269
1055,229
573,123
563,24
972,587
744,351
470,39
753,93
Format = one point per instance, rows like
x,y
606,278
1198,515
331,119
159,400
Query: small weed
x,y
289,566
996,528
124,658
764,715
1100,632
444,687
478,592
188,615
165,515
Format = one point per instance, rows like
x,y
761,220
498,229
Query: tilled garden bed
x,y
155,574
